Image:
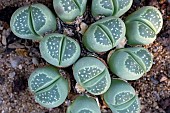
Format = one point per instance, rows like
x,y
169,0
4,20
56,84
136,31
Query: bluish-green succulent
x,y
110,7
104,34
121,97
68,10
48,86
59,50
32,22
84,104
92,75
143,25
130,63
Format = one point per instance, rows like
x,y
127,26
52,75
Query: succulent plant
x,y
121,97
59,50
31,22
92,75
49,87
84,104
130,63
110,7
143,25
104,34
68,10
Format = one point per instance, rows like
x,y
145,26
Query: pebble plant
x,y
48,86
32,22
59,50
143,25
104,34
92,75
84,104
68,10
130,63
121,97
110,7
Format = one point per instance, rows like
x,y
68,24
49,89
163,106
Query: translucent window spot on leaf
x,y
146,58
70,50
85,111
50,96
123,3
146,31
153,17
21,23
38,18
107,4
115,27
123,97
133,108
39,81
133,66
68,5
99,86
101,37
88,73
53,45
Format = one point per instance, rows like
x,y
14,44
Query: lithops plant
x,y
110,7
143,25
92,75
84,104
31,22
48,86
68,10
59,50
121,97
104,34
130,63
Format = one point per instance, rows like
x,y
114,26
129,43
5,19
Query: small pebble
x,y
12,75
164,78
14,62
35,61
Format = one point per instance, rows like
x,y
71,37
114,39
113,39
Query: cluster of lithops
x,y
110,7
143,25
59,50
121,97
104,34
32,22
92,75
130,63
49,86
68,10
83,104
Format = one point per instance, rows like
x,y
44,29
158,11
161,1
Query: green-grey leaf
x,y
92,74
104,34
121,97
84,104
110,7
68,10
32,22
130,63
59,50
49,87
143,25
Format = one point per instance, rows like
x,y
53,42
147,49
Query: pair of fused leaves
x,y
84,104
104,34
59,50
121,97
92,75
143,25
110,7
130,63
31,22
49,87
68,10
